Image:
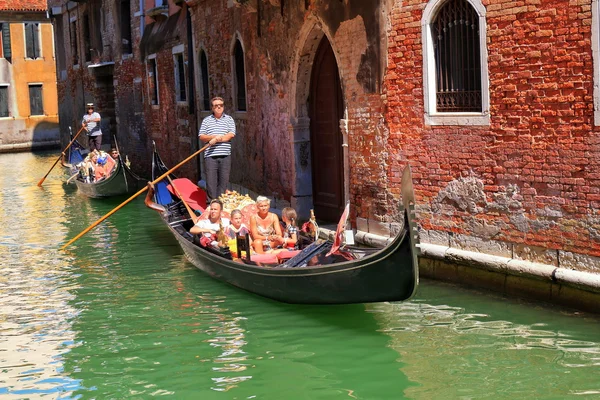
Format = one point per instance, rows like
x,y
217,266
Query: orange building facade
x,y
28,95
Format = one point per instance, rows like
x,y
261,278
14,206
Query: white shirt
x,y
206,224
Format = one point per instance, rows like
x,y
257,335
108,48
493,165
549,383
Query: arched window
x,y
240,76
455,34
455,63
205,95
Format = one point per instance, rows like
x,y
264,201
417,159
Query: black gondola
x,y
121,181
387,274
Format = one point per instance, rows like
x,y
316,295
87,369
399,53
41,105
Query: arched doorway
x,y
325,112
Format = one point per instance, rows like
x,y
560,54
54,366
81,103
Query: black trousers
x,y
95,142
218,169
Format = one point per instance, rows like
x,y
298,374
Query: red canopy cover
x,y
192,194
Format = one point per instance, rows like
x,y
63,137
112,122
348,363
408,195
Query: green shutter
x,y
6,49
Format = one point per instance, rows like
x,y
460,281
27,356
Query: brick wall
x,y
531,177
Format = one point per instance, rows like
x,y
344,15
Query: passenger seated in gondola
x,y
114,153
210,228
236,227
265,228
290,232
104,166
87,168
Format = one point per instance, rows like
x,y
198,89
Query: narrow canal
x,y
123,315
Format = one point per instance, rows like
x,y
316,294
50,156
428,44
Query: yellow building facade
x,y
28,90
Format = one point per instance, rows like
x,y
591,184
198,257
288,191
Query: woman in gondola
x,y
265,227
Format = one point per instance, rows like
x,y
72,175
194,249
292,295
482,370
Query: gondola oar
x,y
60,157
89,228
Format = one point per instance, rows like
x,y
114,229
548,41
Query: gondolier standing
x,y
91,122
217,129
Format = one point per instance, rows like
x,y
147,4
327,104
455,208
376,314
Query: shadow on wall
x,y
17,136
46,135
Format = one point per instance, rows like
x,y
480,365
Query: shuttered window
x,y
32,40
455,34
5,35
240,76
204,78
36,105
3,101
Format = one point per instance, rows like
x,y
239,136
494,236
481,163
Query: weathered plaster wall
x,y
22,131
527,184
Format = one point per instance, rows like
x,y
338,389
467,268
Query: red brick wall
x,y
532,175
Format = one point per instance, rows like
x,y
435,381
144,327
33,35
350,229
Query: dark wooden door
x,y
326,110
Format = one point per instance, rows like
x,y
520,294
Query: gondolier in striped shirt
x,y
217,130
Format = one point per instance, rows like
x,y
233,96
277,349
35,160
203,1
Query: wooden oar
x,y
59,157
72,177
89,228
187,206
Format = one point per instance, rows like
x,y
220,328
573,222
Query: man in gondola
x,y
217,130
91,123
210,227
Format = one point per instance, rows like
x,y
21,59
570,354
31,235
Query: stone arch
x,y
309,38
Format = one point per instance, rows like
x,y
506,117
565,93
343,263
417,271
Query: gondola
x,y
122,180
309,277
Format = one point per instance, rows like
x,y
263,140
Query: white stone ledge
x,y
582,280
26,146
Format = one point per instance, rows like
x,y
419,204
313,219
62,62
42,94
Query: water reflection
x,y
480,349
35,284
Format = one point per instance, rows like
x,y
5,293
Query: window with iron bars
x,y
455,33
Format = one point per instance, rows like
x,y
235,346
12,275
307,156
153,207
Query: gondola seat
x,y
264,258
286,255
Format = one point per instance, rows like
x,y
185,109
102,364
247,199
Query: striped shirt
x,y
221,126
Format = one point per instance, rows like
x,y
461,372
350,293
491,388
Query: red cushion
x,y
286,255
192,194
264,258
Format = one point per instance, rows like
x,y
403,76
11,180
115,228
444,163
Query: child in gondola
x,y
236,225
290,234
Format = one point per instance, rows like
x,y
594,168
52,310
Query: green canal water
x,y
123,315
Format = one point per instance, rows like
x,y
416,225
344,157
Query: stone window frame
x,y
238,38
154,76
596,58
431,116
178,51
40,54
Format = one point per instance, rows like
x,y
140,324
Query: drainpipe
x,y
142,16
